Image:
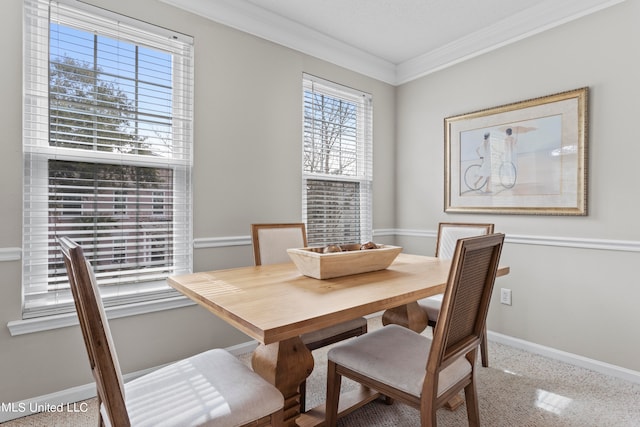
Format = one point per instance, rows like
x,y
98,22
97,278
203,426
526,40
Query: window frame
x,y
364,158
37,300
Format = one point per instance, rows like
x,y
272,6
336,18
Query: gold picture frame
x,y
529,157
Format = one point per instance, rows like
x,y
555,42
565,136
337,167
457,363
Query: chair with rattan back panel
x,y
212,388
448,235
412,368
270,244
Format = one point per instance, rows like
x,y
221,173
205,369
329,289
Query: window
x,y
158,203
107,153
119,202
337,163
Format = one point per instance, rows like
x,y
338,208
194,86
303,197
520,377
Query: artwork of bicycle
x,y
528,157
475,180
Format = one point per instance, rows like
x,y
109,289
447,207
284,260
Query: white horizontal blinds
x,y
333,212
337,163
107,148
112,89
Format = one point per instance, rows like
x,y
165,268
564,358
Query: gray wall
x,y
579,300
247,169
248,135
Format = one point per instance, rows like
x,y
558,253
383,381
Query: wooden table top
x,y
275,302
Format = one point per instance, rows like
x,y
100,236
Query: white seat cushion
x,y
396,356
432,306
212,388
447,241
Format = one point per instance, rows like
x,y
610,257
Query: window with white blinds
x,y
337,163
108,112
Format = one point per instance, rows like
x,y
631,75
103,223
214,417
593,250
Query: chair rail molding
x,y
10,254
566,242
577,242
520,239
221,242
15,254
19,327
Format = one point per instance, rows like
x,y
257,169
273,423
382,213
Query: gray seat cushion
x,y
212,388
398,357
334,330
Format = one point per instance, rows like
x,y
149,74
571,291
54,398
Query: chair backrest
x,y
96,333
271,241
450,232
463,313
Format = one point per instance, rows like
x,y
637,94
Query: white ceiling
x,y
393,40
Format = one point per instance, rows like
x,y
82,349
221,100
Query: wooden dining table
x,y
275,304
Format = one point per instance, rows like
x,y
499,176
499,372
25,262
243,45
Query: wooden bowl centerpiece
x,y
328,262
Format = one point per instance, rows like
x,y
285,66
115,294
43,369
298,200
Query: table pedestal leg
x,y
285,364
410,316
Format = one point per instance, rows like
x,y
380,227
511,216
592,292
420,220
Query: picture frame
x,y
528,157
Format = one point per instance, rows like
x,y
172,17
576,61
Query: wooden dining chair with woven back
x,y
448,235
412,368
270,244
212,388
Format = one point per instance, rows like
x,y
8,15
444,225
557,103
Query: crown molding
x,y
247,17
537,19
251,19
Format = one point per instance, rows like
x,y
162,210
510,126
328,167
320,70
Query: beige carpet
x,y
518,389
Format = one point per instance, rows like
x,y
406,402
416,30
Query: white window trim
x,y
56,321
365,153
39,151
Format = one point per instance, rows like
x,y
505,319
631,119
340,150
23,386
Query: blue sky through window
x,y
143,74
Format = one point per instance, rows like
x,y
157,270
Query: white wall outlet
x,y
505,296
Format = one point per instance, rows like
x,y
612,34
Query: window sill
x,y
45,323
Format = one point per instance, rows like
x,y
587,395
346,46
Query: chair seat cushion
x,y
432,306
335,330
212,388
396,356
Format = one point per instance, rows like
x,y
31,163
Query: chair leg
x,y
303,396
428,417
334,381
484,351
473,410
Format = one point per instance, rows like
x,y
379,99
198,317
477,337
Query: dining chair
x,y
270,244
412,368
212,388
448,235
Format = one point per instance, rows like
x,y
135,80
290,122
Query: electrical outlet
x,y
505,296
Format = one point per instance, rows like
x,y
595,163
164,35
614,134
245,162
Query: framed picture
x,y
529,157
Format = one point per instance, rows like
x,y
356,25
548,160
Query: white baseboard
x,y
570,358
10,411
